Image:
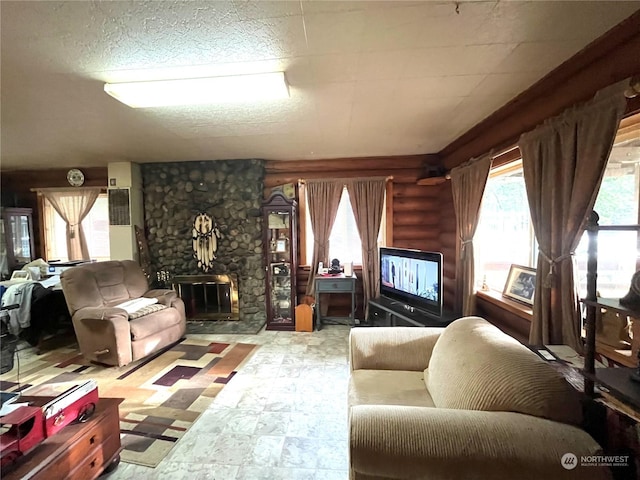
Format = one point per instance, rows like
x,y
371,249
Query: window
x,y
95,226
505,234
344,242
616,204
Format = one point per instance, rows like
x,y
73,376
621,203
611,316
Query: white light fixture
x,y
199,91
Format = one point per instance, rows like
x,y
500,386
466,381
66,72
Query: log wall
x,y
421,217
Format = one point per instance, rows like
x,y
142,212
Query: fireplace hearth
x,y
208,297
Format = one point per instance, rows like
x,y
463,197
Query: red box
x,y
77,403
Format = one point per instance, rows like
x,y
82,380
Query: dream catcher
x,y
205,240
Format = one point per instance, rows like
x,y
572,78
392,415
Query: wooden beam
x,y
397,162
57,177
403,175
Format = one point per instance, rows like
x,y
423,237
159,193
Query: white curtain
x,y
73,206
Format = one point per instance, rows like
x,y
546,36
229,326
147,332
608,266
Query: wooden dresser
x,y
80,451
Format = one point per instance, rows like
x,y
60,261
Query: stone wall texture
x,y
231,191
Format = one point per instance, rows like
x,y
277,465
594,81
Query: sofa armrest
x,y
169,298
103,334
416,442
392,348
165,296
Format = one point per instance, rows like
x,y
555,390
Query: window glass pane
x,y
96,229
344,242
617,254
55,234
617,202
504,234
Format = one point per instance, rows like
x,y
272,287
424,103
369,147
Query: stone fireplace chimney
x,y
231,192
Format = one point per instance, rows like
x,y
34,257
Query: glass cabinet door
x,y
21,238
17,239
279,241
4,267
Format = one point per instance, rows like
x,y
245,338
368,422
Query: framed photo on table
x,y
281,245
521,284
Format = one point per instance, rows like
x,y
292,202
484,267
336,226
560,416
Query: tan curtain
x,y
367,202
51,244
467,183
323,197
73,206
564,161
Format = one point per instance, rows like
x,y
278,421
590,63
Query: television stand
x,y
386,312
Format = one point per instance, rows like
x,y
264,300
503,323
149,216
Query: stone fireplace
x,y
231,191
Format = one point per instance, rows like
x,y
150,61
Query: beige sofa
x,y
464,402
106,332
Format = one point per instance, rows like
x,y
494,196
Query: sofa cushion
x,y
141,312
392,348
475,366
153,323
388,387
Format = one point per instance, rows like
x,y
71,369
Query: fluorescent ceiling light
x,y
198,91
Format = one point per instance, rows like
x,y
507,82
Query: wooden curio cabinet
x,y
280,253
16,244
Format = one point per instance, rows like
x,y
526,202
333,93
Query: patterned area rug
x,y
164,394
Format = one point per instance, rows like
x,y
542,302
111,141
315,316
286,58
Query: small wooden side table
x,y
80,451
336,284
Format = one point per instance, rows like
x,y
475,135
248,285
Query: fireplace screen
x,y
208,297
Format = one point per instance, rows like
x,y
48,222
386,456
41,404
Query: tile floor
x,y
282,417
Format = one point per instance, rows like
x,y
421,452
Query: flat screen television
x,y
413,278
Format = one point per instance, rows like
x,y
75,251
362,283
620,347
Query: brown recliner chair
x,y
109,334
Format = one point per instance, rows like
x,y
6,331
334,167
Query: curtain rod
x,y
504,151
65,189
498,158
343,179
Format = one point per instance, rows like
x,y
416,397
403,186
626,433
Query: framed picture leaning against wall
x,y
521,284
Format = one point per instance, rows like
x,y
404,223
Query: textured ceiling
x,y
366,78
